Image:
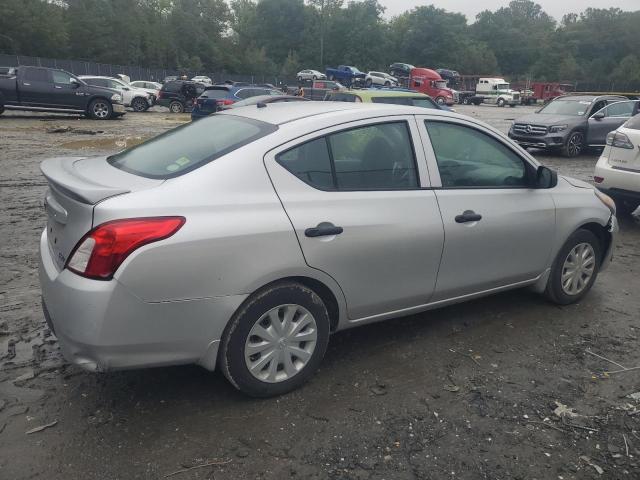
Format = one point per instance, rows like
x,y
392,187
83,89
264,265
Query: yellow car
x,y
396,97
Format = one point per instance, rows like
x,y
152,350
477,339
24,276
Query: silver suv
x,y
243,240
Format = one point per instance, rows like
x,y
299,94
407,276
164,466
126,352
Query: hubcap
x,y
578,269
575,144
281,343
100,110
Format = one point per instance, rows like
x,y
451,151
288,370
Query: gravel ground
x,y
465,392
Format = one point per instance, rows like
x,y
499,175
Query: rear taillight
x,y
598,179
226,101
619,140
101,251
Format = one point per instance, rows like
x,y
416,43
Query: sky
x,y
555,8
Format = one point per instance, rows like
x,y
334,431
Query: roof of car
x,y
286,112
100,76
576,97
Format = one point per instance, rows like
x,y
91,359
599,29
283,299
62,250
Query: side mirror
x,y
74,83
598,116
546,178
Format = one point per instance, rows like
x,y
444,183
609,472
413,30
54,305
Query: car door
x,y
609,119
499,231
67,93
353,195
36,87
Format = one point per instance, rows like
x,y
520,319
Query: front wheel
x,y
176,107
575,268
387,84
276,341
440,100
501,102
368,82
573,146
139,104
465,101
100,109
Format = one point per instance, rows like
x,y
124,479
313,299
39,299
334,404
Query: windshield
x,y
566,107
441,84
503,86
190,146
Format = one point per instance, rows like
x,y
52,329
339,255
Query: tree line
x,y
280,37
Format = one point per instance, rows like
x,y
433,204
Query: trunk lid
x,y
76,185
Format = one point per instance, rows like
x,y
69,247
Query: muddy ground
x,y
465,392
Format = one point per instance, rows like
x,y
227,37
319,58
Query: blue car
x,y
216,96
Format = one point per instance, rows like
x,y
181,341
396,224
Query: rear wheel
x,y
466,101
575,268
276,341
573,146
176,107
387,83
139,104
100,109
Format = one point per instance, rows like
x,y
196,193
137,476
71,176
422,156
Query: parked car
x,y
152,88
452,77
294,214
170,78
179,96
570,124
202,79
52,90
395,97
217,96
380,78
136,98
310,75
346,75
399,70
617,172
318,90
263,100
430,82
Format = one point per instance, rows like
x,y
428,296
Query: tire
x,y
368,82
253,323
563,294
139,104
100,109
387,84
440,100
574,145
512,105
176,107
315,78
501,102
625,207
465,101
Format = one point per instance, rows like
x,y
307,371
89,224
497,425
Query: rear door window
x,y
217,93
39,75
621,109
172,87
190,146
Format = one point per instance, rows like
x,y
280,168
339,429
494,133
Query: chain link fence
x,y
79,67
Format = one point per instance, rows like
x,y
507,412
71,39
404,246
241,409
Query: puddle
x,y
110,143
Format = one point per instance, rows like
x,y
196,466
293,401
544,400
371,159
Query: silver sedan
x,y
243,240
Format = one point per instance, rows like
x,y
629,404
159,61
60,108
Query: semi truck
x,y
494,91
425,80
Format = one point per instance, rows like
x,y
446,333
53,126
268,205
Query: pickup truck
x,y
51,90
346,75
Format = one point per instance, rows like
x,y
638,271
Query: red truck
x,y
547,91
425,80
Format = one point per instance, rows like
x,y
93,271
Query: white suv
x,y
136,98
380,78
618,170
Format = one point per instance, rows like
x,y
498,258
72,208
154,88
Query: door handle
x,y
323,229
468,216
26,84
57,86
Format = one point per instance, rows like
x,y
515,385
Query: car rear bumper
x,y
616,181
102,326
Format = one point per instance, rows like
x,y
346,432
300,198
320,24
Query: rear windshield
x,y
217,93
633,123
190,146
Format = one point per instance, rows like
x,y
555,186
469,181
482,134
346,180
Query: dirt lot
x,y
465,392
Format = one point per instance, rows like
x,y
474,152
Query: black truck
x,y
51,90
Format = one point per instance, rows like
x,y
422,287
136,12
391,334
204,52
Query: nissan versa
x,y
243,240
